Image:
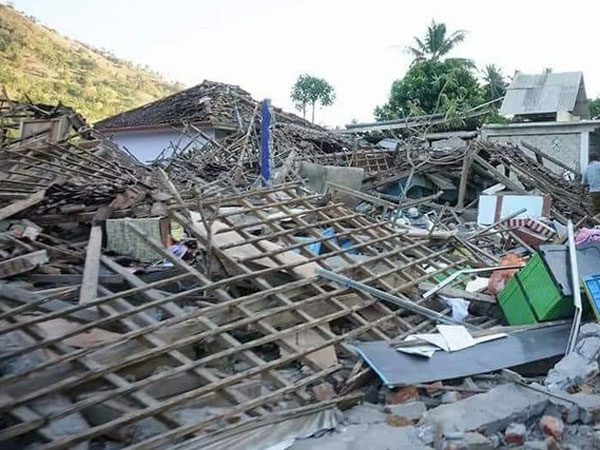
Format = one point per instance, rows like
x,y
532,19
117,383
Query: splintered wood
x,y
51,159
109,333
149,364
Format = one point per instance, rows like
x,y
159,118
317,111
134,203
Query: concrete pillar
x,y
584,150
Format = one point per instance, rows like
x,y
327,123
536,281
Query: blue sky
x,y
263,45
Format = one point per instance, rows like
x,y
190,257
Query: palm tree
x,y
495,84
436,44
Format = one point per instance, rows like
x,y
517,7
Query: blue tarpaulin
x,y
315,247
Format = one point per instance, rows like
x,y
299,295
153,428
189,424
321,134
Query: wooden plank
x,y
21,205
69,278
51,219
464,177
22,264
89,282
31,300
362,196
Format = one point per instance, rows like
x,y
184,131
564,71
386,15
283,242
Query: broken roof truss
x,y
263,331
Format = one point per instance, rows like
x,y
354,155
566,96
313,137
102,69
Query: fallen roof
x,y
217,104
546,93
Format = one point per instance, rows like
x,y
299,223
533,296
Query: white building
x,y
189,117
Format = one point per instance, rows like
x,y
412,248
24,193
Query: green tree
x,y
432,86
436,43
595,108
495,82
308,90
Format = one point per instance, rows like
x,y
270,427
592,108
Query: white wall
x,y
146,145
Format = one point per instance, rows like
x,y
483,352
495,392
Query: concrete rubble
x,y
581,365
203,301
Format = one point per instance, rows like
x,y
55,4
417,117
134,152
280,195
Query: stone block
x,y
516,433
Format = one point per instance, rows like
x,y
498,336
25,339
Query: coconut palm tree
x,y
495,83
436,43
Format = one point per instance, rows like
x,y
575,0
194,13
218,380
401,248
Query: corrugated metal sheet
x,y
545,93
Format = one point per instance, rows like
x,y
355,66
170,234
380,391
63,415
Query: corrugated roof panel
x,y
545,93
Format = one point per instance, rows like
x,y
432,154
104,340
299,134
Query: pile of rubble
x,y
182,305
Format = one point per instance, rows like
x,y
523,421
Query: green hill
x,y
37,62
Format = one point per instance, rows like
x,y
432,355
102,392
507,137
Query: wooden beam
x,y
464,176
26,298
22,264
89,282
498,175
20,205
540,154
362,195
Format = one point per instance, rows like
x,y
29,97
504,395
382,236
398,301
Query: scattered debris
x,y
186,303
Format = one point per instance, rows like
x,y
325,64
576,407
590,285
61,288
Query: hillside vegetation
x,y
39,63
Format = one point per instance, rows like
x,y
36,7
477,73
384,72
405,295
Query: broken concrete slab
x,y
535,445
489,412
580,365
588,405
372,437
477,441
364,413
277,435
581,437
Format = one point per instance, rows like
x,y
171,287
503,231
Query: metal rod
x,y
576,291
411,306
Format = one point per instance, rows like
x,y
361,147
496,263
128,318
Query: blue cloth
x,y
265,143
591,176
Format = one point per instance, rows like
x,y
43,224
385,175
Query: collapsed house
x,y
181,304
193,117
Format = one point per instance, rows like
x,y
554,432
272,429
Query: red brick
x,y
516,433
552,426
397,421
403,395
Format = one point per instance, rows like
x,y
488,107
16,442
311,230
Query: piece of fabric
x,y
587,235
591,176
